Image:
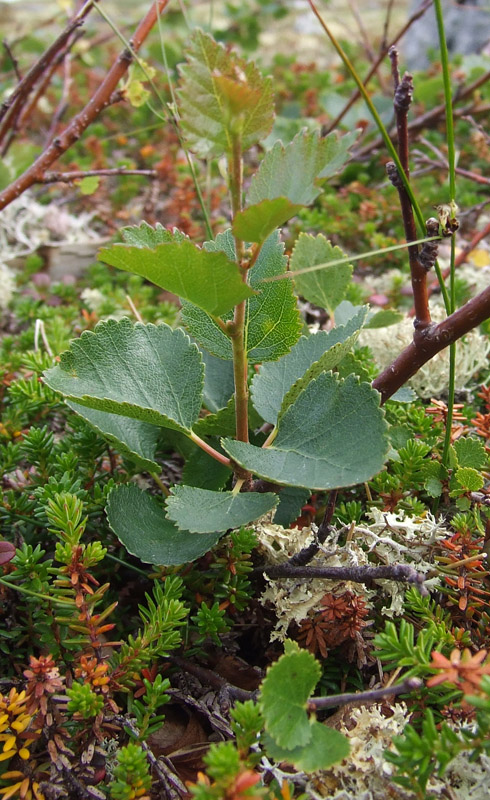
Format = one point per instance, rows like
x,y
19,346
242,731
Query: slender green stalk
x,y
209,449
349,259
386,139
31,593
238,343
451,158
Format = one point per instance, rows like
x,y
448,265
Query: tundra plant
x,y
131,381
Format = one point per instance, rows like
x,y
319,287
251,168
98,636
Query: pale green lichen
x,y
7,285
432,379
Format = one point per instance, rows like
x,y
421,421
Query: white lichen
x,y
432,379
26,224
7,285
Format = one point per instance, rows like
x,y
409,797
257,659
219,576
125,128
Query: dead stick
x,y
78,125
319,703
363,574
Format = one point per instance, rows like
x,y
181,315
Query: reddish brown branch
x,y
100,100
430,341
15,63
11,107
402,100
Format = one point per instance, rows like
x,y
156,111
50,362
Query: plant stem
x,y
31,593
237,331
100,100
451,158
404,573
209,450
408,685
402,101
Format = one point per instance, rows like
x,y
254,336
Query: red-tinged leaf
x,y
7,552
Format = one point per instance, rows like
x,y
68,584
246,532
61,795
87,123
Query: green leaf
x,y
325,287
333,435
325,350
223,423
130,437
142,526
89,185
284,695
257,222
384,318
291,501
293,171
202,470
326,747
470,452
209,280
272,324
218,382
144,235
202,511
221,96
146,372
469,479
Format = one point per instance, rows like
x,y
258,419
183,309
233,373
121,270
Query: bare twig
x,y
69,177
211,678
308,553
100,100
430,118
11,107
356,94
15,63
320,703
402,100
170,782
404,573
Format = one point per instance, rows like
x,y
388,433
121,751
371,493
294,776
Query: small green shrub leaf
x,y
147,372
222,96
284,695
203,471
223,423
324,287
469,479
202,511
144,529
293,171
130,437
272,319
209,280
321,351
291,502
257,222
333,435
218,382
145,235
326,747
470,452
384,318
